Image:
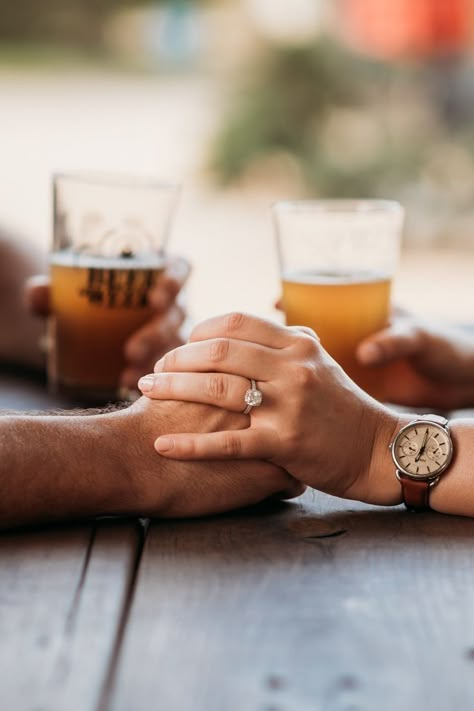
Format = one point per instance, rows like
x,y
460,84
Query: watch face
x,y
422,450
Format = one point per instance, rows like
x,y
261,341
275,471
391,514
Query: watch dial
x,y
422,449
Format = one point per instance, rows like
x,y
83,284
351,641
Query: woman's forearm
x,y
453,494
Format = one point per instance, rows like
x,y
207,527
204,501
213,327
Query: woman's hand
x,y
426,366
314,421
156,337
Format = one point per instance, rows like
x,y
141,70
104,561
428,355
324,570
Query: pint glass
x,y
337,260
110,235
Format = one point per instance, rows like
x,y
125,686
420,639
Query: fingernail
x,y
146,383
370,353
164,444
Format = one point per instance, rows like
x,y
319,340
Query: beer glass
x,y
109,240
337,260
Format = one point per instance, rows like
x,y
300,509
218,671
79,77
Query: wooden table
x,y
321,604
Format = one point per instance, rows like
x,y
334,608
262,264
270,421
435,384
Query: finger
x,y
169,284
245,327
401,340
252,443
37,295
279,304
154,338
219,389
223,355
307,331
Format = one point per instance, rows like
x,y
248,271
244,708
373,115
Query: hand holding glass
x,y
337,261
109,244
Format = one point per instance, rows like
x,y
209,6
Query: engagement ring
x,y
253,397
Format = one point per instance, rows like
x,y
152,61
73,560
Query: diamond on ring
x,y
253,397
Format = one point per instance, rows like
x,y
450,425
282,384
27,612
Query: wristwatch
x,y
422,451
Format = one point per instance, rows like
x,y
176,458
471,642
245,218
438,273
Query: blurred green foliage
x,y
292,105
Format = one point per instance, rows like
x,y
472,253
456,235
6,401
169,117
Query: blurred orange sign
x,y
408,27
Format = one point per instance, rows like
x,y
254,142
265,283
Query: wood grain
x,y
63,592
322,604
318,605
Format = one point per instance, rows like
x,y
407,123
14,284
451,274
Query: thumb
x,y
400,340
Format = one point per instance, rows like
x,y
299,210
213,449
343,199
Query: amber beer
x,y
97,303
343,308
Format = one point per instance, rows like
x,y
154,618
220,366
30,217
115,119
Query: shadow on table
x,y
315,526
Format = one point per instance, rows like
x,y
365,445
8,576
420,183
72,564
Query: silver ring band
x,y
253,397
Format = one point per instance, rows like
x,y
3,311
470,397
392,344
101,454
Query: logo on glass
x,y
118,288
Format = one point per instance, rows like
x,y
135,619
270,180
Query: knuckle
x,y
309,332
304,376
218,350
308,345
291,441
217,387
234,321
231,445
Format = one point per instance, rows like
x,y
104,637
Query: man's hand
x,y
426,366
314,421
167,488
155,338
57,468
20,332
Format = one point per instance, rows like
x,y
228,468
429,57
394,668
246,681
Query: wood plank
x,y
322,604
62,596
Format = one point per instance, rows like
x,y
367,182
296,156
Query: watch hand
x,y
423,447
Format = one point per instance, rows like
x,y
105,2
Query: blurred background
x,y
246,102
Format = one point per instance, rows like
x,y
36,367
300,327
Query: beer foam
x,y
69,258
333,277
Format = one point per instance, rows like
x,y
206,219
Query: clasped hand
x,y
314,421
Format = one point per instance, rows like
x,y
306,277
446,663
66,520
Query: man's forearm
x,y
60,467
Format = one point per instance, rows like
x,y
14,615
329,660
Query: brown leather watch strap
x,y
416,494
